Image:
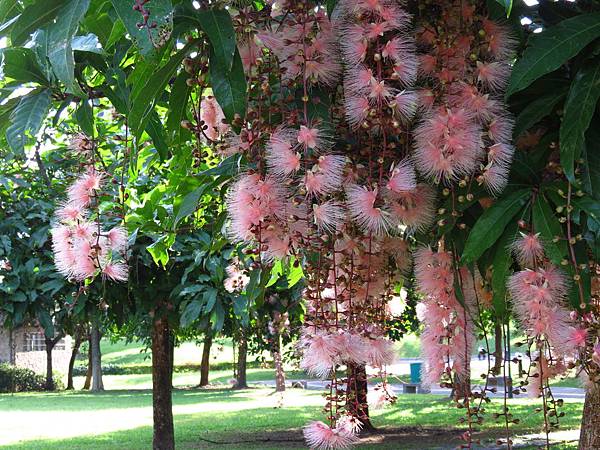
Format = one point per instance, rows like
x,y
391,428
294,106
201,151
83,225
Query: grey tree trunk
x,y
88,373
162,386
97,384
356,401
50,344
589,438
241,380
279,372
498,349
205,363
12,350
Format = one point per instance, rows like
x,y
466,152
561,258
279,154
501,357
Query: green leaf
x,y
21,65
46,322
578,112
178,101
147,40
34,17
189,204
507,4
547,224
190,313
331,6
217,25
145,96
551,48
591,166
501,269
85,118
229,88
155,130
87,43
536,111
60,36
210,298
492,223
26,119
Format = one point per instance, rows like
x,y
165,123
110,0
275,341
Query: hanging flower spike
x,y
528,249
403,178
361,205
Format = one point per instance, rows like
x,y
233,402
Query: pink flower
x,y
318,358
212,116
495,177
528,249
596,355
81,143
320,436
579,337
501,43
313,138
117,239
329,215
493,76
500,129
281,158
81,191
357,109
358,81
398,49
414,209
70,212
403,178
448,145
361,205
115,271
380,352
405,105
380,92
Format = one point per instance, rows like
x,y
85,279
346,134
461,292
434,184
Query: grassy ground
x,y
249,419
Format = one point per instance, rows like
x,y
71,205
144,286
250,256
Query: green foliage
x,y
19,379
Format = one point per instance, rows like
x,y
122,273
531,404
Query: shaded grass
x,y
122,419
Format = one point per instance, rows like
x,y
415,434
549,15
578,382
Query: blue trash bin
x,y
415,372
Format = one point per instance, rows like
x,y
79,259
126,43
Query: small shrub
x,y
18,379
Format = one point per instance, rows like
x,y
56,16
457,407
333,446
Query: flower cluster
x,y
82,248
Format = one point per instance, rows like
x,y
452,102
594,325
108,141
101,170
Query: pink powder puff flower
x,y
212,116
361,205
426,99
250,53
448,145
323,69
376,30
313,138
117,239
354,51
380,396
350,348
329,215
84,230
405,105
406,70
397,49
380,352
528,249
81,191
402,178
495,177
500,129
427,65
318,356
276,242
501,43
81,143
358,81
320,436
578,337
115,271
380,92
501,154
70,212
493,75
281,157
357,109
84,266
414,209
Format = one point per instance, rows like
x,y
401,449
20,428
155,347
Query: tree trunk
x,y
162,380
50,344
97,384
462,386
49,375
88,373
241,381
356,402
12,350
279,372
205,363
498,349
589,438
74,353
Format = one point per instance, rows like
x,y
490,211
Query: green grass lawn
x,y
249,419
